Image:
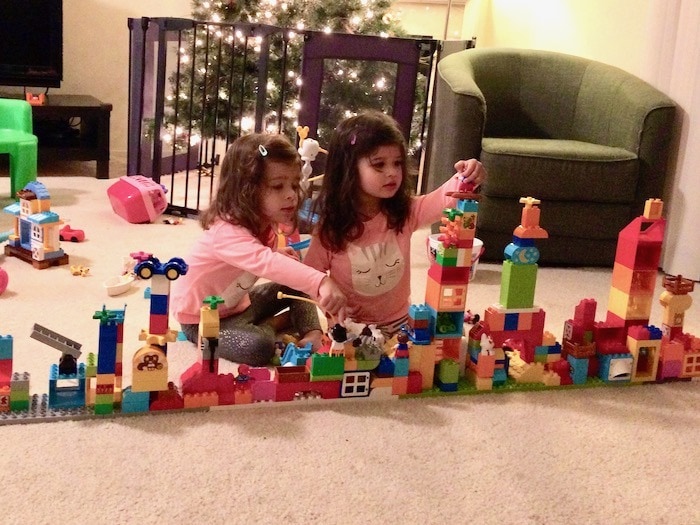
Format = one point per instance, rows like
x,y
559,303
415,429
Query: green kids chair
x,y
17,139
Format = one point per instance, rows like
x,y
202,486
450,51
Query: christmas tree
x,y
217,82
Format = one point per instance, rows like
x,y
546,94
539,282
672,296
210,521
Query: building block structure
x,y
508,349
35,238
516,320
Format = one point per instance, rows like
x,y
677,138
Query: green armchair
x,y
589,140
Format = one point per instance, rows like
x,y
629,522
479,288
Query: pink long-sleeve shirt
x,y
374,271
226,261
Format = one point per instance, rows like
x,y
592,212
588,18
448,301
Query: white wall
x,y
611,31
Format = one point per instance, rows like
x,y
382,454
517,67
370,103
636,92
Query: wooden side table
x,y
74,127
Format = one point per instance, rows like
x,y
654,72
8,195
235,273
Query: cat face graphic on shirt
x,y
377,268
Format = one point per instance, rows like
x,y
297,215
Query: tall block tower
x,y
636,267
516,318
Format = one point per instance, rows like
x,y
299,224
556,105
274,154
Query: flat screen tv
x,y
31,43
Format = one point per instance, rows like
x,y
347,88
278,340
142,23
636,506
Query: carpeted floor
x,y
604,455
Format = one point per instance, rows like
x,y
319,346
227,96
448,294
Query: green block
x,y
327,368
104,409
446,255
518,283
448,371
19,404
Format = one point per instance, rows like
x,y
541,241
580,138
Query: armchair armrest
x,y
456,120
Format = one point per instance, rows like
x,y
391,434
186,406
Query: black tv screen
x,y
31,43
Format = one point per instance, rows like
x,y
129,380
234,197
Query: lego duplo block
x,y
495,318
158,323
448,324
287,391
419,312
518,283
615,368
629,307
356,384
5,347
691,364
4,398
448,371
633,281
450,347
206,399
484,365
480,383
401,367
422,360
159,304
415,383
399,386
646,357
133,402
449,274
323,367
445,297
446,255
639,243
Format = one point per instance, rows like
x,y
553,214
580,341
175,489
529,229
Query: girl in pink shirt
x,y
367,215
259,189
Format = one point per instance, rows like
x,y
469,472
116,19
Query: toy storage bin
x,y
137,199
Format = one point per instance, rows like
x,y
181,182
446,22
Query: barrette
x,y
263,150
353,139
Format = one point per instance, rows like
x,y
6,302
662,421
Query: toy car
x,y
172,269
69,234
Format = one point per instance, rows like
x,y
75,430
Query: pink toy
x,y
137,199
4,279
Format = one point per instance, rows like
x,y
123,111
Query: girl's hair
x,y
242,178
355,138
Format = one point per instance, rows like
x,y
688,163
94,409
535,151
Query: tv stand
x,y
74,127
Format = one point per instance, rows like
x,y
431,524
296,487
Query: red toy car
x,y
69,234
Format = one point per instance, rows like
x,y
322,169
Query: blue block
x,y
511,322
135,401
418,312
401,367
159,304
386,366
5,347
579,369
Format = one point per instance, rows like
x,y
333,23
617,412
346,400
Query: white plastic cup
x,y
477,249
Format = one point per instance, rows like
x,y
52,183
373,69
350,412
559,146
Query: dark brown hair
x,y
355,138
242,179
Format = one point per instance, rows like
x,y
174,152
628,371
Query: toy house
x,y
35,236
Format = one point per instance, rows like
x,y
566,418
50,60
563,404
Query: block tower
x,y
636,267
446,288
109,360
150,364
680,352
5,371
516,319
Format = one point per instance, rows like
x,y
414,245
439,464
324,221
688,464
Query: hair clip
x,y
353,139
263,150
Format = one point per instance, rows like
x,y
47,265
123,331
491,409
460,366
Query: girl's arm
x,y
238,247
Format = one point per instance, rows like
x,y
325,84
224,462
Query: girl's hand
x,y
471,171
331,299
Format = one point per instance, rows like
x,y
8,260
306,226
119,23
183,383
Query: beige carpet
x,y
605,455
